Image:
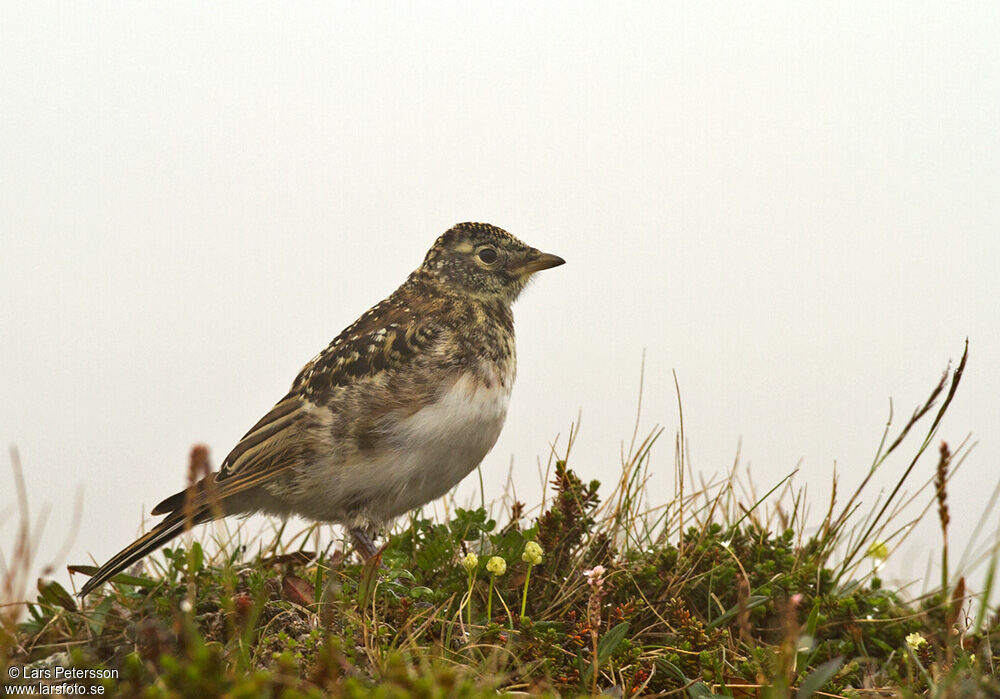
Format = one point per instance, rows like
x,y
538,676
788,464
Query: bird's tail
x,y
156,537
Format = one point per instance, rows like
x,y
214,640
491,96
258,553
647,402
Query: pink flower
x,y
595,576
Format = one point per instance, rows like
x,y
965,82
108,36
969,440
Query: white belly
x,y
420,458
440,444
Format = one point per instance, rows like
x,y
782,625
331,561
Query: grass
x,y
717,592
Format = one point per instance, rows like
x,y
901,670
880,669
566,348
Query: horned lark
x,y
400,407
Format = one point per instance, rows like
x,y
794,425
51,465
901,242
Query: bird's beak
x,y
536,261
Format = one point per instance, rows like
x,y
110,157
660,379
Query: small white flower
x,y
532,553
186,606
915,640
470,562
496,565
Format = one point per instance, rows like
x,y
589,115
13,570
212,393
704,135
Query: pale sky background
x,y
794,206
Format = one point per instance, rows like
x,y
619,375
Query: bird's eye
x,y
488,255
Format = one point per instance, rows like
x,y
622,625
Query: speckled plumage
x,y
397,409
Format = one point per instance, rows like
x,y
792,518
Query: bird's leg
x,y
363,542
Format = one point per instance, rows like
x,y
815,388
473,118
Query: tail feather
x,y
205,492
156,537
204,503
171,504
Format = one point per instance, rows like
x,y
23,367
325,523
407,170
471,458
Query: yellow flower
x,y
470,562
878,550
532,553
915,640
496,565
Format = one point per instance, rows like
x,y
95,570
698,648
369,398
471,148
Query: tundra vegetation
x,y
720,591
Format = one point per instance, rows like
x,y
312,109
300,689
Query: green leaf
x,y
55,594
752,601
671,669
395,589
99,616
420,592
813,620
607,646
39,620
400,573
819,677
609,643
196,558
126,579
366,583
32,627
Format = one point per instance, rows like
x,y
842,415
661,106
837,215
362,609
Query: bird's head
x,y
485,261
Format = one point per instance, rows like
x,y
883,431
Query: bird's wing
x,y
386,338
383,340
278,440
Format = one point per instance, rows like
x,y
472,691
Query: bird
x,y
393,413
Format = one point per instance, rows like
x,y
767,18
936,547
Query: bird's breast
x,y
465,420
